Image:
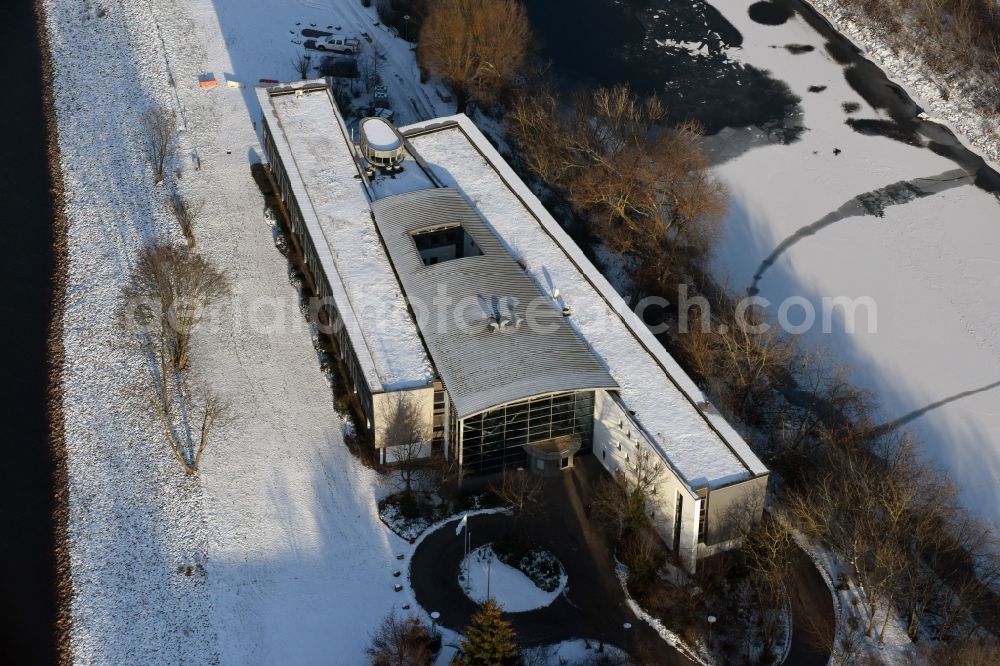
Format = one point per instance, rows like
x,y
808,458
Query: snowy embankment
x,y
275,553
929,266
908,69
136,523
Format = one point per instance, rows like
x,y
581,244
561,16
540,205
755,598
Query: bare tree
x,y
644,468
645,189
406,440
971,652
608,503
476,46
368,65
181,284
400,642
186,213
301,62
159,128
739,356
520,489
205,411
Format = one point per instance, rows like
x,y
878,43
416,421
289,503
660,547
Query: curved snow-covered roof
x,y
457,301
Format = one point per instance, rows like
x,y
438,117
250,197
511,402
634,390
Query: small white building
x,y
451,282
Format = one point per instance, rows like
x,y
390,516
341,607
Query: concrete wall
x,y
384,405
738,502
616,439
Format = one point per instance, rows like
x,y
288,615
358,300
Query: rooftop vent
x,y
499,324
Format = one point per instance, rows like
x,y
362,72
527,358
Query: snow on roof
x,y
462,297
699,443
317,154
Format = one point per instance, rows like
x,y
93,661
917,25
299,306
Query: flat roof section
x,y
700,444
495,337
318,155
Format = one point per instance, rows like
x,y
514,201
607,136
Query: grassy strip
x,y
57,351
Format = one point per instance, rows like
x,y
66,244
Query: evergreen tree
x,y
489,639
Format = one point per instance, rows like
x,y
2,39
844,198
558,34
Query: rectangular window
x,y
678,514
703,520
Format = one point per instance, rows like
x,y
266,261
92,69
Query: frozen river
x,y
885,209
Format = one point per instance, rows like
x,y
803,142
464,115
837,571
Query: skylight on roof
x,y
445,244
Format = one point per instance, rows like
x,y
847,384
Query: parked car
x,y
381,96
338,44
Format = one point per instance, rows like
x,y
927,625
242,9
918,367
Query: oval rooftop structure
x,y
380,135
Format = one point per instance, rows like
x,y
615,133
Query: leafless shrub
x,y
186,213
520,489
159,128
971,652
400,642
301,62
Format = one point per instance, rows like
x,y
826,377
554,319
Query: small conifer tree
x,y
489,639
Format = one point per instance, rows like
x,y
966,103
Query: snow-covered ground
x,y
482,575
276,553
932,266
577,651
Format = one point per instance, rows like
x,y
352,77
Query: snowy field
x,y
482,576
932,266
276,553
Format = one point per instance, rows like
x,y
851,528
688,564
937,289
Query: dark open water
x,y
27,597
603,42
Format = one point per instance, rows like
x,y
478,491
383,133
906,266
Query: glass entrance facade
x,y
495,439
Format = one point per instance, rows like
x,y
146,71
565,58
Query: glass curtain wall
x,y
495,439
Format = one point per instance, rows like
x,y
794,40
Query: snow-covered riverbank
x,y
981,132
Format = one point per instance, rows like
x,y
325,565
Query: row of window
x,y
496,438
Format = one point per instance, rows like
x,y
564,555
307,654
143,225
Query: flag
x,y
461,524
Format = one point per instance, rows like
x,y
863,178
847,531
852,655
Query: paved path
x,y
593,605
812,612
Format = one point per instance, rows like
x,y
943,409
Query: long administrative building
x,y
456,299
